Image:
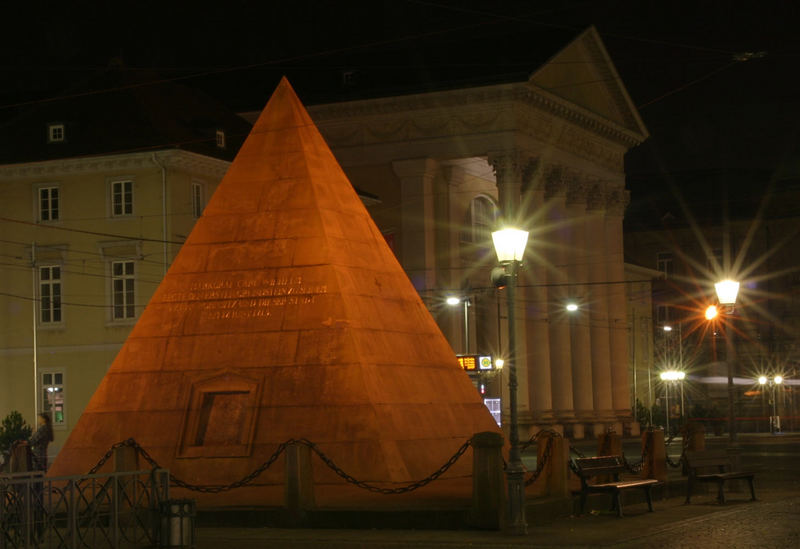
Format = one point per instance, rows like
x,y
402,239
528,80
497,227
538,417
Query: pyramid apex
x,y
283,110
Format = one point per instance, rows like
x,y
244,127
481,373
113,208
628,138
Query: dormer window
x,y
220,139
55,133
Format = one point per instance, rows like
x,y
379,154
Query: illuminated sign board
x,y
475,363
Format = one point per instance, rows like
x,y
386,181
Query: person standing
x,y
39,442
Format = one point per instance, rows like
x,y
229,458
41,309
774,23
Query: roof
x,y
120,111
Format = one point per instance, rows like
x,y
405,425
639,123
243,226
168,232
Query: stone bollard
x,y
696,435
655,459
21,459
299,483
609,444
488,482
557,467
126,458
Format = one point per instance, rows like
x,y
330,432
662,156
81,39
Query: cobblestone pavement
x,y
766,525
739,525
771,522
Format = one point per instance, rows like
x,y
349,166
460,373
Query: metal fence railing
x,y
97,511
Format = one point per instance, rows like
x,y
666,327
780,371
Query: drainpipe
x,y
35,357
163,208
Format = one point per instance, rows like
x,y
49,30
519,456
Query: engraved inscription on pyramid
x,y
284,315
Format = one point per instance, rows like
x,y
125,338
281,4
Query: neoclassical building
x,y
438,171
546,154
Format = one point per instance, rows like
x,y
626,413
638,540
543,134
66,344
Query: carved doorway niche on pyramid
x,y
221,416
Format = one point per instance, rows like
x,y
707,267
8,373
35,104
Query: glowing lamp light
x,y
572,307
711,312
762,380
672,375
667,328
778,380
498,363
452,300
509,244
727,290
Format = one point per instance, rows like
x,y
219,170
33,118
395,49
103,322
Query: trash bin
x,y
177,523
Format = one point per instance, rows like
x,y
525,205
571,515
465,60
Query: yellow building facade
x,y
86,242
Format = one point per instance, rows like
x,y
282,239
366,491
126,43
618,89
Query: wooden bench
x,y
713,466
613,466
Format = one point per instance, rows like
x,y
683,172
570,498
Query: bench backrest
x,y
716,460
600,465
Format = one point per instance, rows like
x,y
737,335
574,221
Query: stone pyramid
x,y
284,315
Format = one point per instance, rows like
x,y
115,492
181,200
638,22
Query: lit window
x,y
220,139
48,203
121,198
122,290
53,401
49,294
198,200
55,133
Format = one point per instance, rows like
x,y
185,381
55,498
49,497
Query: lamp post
x,y
672,376
774,419
509,244
727,290
453,300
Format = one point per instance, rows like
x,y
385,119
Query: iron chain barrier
x,y
244,481
548,450
684,446
637,467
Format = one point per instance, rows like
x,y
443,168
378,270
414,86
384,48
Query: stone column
x,y
598,308
557,294
617,307
512,169
418,234
580,337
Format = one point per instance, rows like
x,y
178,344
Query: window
x,y
662,314
220,139
121,198
53,401
481,221
122,290
49,294
48,203
55,133
198,200
664,263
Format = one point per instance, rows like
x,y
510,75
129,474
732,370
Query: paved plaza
x,y
772,521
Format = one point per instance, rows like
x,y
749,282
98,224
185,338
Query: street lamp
x,y
453,301
672,376
727,290
509,244
774,419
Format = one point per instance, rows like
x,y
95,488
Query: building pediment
x,y
583,74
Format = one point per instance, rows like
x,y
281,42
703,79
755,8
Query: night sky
x,y
716,84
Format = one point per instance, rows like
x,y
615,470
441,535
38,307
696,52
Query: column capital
x,y
415,167
556,181
511,169
596,197
577,190
617,201
511,164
